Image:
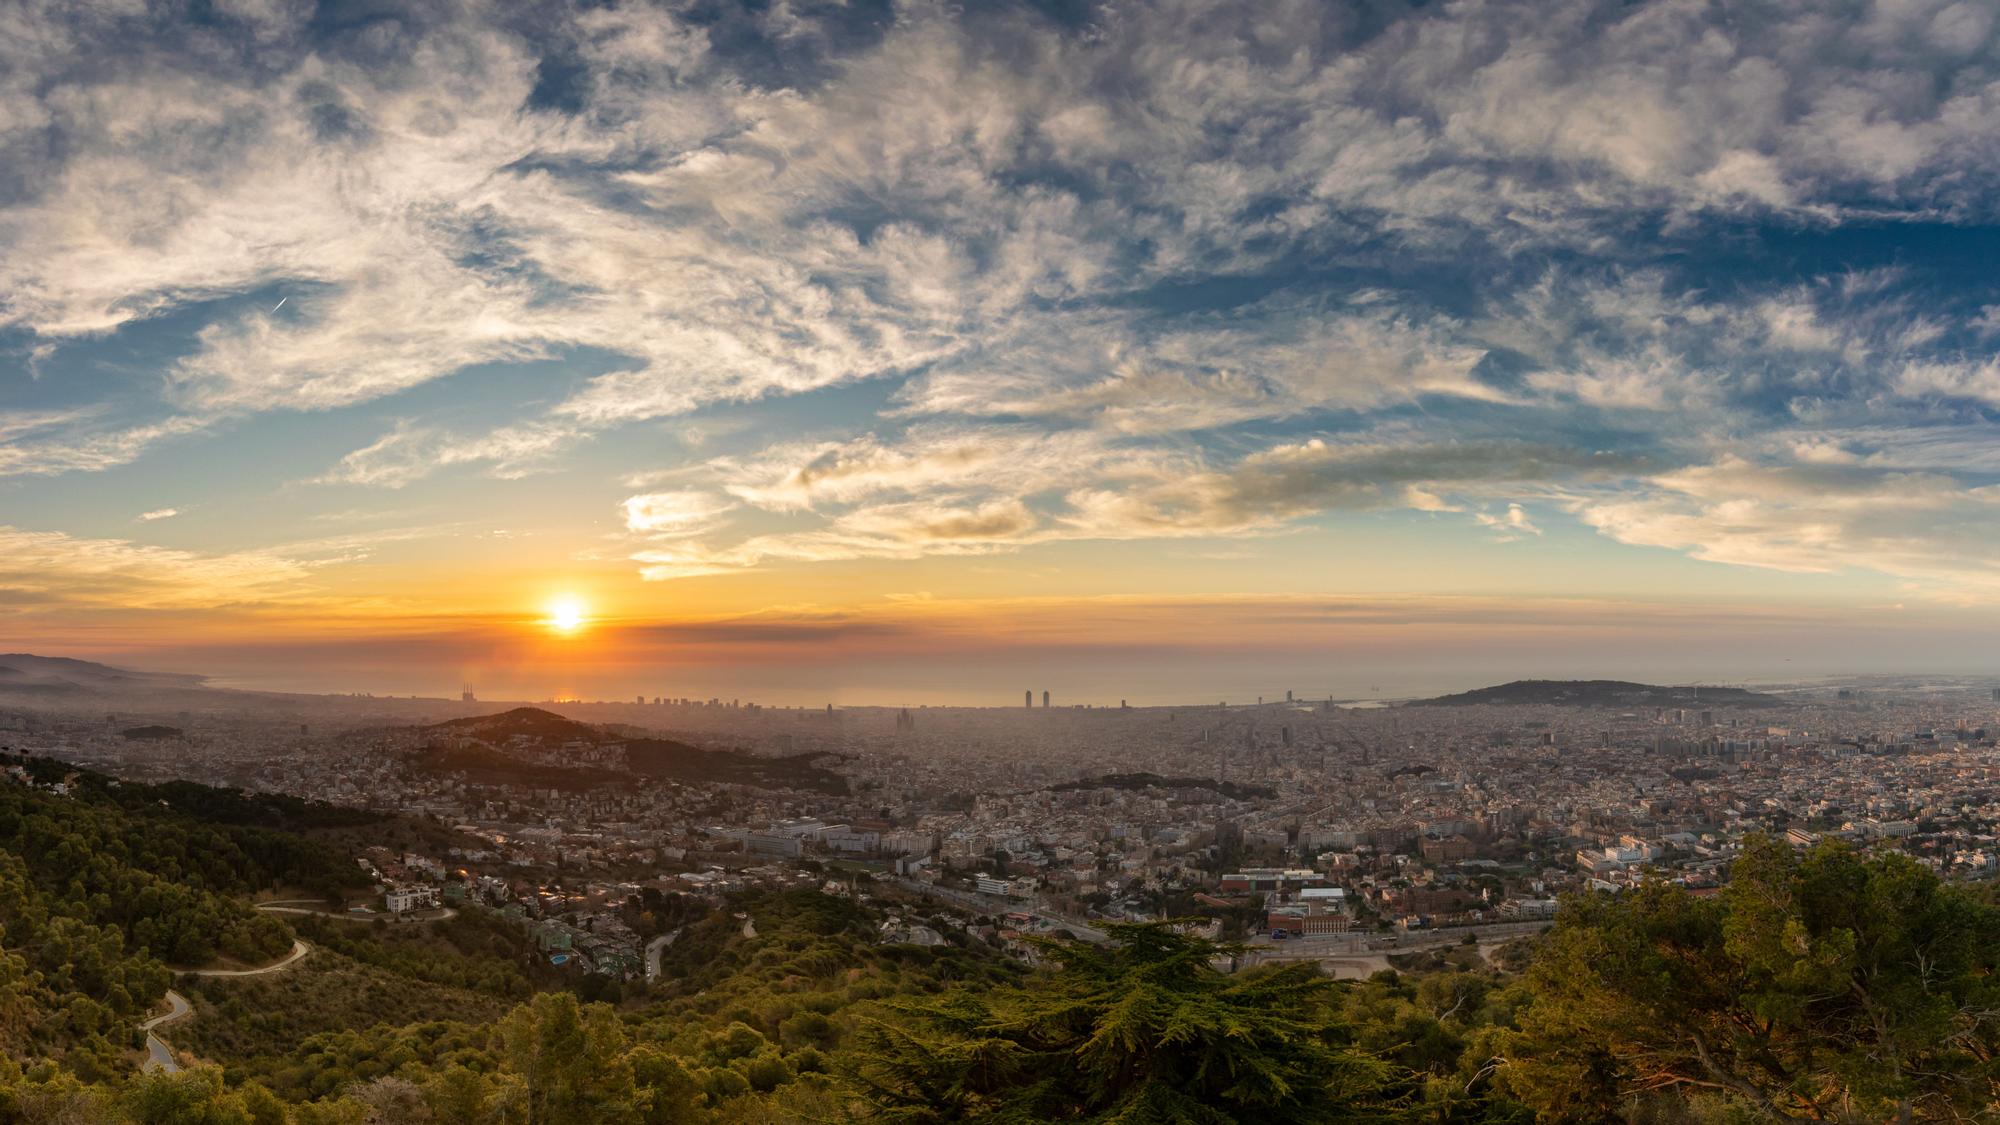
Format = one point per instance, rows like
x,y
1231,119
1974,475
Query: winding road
x,y
299,950
290,906
656,947
159,1055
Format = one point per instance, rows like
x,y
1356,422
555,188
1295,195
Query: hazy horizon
x,y
1095,684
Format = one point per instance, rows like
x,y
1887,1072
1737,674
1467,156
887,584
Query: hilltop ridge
x,y
45,675
527,745
1601,693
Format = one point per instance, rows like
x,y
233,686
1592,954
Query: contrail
x,y
281,303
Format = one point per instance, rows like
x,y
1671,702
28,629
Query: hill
x,y
530,746
1231,789
542,727
154,733
26,674
1601,693
1654,1005
106,884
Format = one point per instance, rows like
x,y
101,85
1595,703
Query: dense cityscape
x,y
1314,829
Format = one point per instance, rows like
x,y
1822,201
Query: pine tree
x,y
1143,1030
1815,986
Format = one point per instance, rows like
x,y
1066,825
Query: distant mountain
x,y
538,725
153,733
1602,693
548,733
47,675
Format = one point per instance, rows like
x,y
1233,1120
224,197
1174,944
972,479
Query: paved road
x,y
285,906
299,950
656,947
158,1054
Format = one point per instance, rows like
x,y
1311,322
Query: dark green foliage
x,y
645,756
1827,985
104,885
476,950
1235,790
262,1026
1145,1029
1815,986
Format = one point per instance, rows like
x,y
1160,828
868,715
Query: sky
x,y
915,352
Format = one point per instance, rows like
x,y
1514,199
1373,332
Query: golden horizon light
x,y
567,614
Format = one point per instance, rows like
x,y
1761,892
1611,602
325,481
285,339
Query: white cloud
x,y
686,512
925,459
410,452
159,514
45,570
962,492
1972,378
389,186
1510,524
1812,516
1064,244
1274,363
83,449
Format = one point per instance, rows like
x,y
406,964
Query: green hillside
x,y
106,885
483,762
1819,985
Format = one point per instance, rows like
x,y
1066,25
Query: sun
x,y
567,614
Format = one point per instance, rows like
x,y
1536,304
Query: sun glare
x,y
566,614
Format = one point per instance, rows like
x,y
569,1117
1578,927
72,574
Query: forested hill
x,y
1822,985
1235,790
487,748
530,723
1601,693
105,884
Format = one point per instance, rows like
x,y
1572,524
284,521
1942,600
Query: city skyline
x,y
909,354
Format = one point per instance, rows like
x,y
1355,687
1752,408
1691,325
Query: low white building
x,y
416,896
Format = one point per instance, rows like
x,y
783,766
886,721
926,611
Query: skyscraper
x,y
1028,699
1045,699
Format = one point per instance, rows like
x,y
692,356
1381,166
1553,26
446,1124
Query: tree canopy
x,y
1146,1028
1813,986
1829,984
